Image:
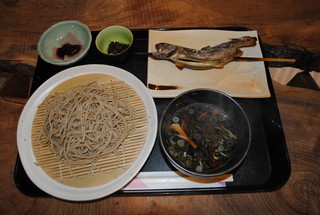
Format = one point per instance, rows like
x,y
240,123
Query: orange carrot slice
x,y
178,129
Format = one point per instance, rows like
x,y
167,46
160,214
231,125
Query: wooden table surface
x,y
277,22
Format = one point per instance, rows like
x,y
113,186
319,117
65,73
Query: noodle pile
x,y
84,123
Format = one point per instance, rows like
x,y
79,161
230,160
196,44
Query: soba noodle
x,y
84,123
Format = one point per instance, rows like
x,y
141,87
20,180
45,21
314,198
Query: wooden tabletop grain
x,y
277,22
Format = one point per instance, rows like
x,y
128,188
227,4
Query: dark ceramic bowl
x,y
216,125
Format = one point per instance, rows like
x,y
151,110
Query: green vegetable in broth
x,y
200,137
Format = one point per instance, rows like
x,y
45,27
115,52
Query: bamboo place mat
x,y
108,167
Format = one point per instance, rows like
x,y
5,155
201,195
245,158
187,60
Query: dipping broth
x,y
200,137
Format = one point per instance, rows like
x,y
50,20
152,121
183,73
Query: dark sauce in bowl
x,y
200,137
68,50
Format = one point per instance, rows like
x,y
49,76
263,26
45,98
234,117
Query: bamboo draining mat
x,y
107,167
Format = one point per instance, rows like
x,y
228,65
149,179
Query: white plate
x,y
45,182
237,79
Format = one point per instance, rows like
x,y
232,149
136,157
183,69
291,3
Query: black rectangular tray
x,y
266,167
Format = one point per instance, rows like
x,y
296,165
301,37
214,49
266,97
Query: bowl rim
x,y
192,173
73,60
114,26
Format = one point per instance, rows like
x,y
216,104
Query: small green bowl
x,y
118,34
52,46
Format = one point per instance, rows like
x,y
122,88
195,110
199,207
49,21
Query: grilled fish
x,y
205,58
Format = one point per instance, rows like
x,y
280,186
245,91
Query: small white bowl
x,y
65,43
